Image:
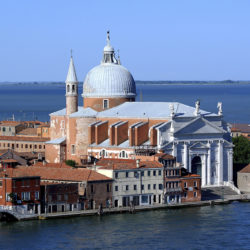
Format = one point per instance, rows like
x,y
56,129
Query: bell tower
x,y
71,89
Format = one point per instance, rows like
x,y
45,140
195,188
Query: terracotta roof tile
x,y
119,164
28,131
57,174
23,138
246,169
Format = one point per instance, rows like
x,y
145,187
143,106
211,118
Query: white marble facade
x,y
202,144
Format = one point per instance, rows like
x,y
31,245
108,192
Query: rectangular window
x,y
149,173
116,188
92,188
135,187
59,197
126,187
105,104
142,173
8,197
154,199
126,174
66,197
185,185
154,173
142,187
116,175
154,186
49,198
185,195
25,196
108,187
159,172
160,186
36,195
195,194
1,184
73,149
149,186
135,174
195,183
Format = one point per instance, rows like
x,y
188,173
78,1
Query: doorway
x,y
196,165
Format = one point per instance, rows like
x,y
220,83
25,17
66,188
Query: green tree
x,y
71,163
241,150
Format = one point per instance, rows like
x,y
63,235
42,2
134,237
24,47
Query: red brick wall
x,y
191,189
153,137
18,186
97,103
141,134
121,133
100,194
101,132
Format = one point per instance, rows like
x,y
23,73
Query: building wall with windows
x,y
191,188
141,185
20,191
23,144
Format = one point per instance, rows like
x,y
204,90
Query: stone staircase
x,y
214,193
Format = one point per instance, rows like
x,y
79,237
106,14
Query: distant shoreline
x,y
226,82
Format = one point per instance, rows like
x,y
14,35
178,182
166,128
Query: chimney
x,y
138,163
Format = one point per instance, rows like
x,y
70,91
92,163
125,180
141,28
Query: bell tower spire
x,y
71,88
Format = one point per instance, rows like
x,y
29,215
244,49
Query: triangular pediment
x,y
199,126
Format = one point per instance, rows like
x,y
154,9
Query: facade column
x,y
186,156
209,166
220,163
204,170
189,163
174,149
230,166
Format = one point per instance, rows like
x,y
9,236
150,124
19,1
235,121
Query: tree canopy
x,y
241,150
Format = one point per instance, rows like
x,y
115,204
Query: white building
x,y
135,182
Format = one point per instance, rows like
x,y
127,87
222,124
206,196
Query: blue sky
x,y
158,40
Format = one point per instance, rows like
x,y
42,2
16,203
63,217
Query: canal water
x,y
215,227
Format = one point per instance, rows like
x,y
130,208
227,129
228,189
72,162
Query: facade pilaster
x,y
186,156
204,170
220,163
209,165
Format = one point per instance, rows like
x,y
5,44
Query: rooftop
x,y
28,131
57,174
244,128
23,138
157,110
126,164
246,169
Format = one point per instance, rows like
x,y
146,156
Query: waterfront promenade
x,y
227,199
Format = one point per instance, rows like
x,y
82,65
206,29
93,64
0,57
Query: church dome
x,y
109,79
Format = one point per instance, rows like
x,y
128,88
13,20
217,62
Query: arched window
x,y
103,153
73,88
123,154
68,88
